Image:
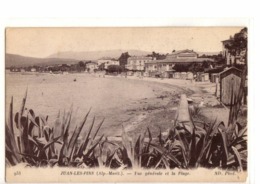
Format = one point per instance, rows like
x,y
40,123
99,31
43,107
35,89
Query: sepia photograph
x,y
126,104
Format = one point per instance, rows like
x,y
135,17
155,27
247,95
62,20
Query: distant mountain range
x,y
74,57
94,55
20,61
67,57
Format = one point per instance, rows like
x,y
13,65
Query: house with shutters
x,y
137,63
91,66
165,67
107,61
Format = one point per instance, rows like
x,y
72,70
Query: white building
x,y
137,63
91,67
107,62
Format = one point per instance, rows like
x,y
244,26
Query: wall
x,y
226,84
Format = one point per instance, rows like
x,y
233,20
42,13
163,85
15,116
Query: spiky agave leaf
x,y
99,126
238,158
128,145
11,148
225,146
137,152
84,145
166,154
76,135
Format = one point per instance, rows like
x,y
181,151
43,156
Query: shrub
x,y
30,140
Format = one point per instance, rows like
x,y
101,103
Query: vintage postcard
x,y
126,104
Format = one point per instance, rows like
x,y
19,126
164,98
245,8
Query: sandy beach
x,y
133,103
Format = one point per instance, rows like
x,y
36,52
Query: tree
x,y
180,67
101,66
205,64
123,59
114,68
157,55
65,67
81,66
238,45
196,67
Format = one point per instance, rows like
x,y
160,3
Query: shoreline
x,y
133,113
136,115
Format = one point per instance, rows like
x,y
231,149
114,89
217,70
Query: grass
x,y
30,140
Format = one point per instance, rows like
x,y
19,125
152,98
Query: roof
x,y
153,62
226,40
140,57
107,59
92,63
214,70
181,51
231,68
181,60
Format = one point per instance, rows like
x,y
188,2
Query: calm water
x,y
49,94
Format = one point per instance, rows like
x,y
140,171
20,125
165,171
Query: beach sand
x,y
135,104
130,102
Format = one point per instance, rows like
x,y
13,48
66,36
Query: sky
x,y
43,42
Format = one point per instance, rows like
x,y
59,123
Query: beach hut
x,y
199,76
177,75
215,78
130,73
206,76
168,74
230,80
183,75
146,74
202,79
190,75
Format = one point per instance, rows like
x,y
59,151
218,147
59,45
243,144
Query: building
x,y
111,62
214,73
33,69
230,80
137,63
183,54
165,67
106,61
91,67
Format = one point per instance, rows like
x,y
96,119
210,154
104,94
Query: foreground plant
x,y
30,140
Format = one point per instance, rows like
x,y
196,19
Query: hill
x,y
94,55
74,57
19,61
